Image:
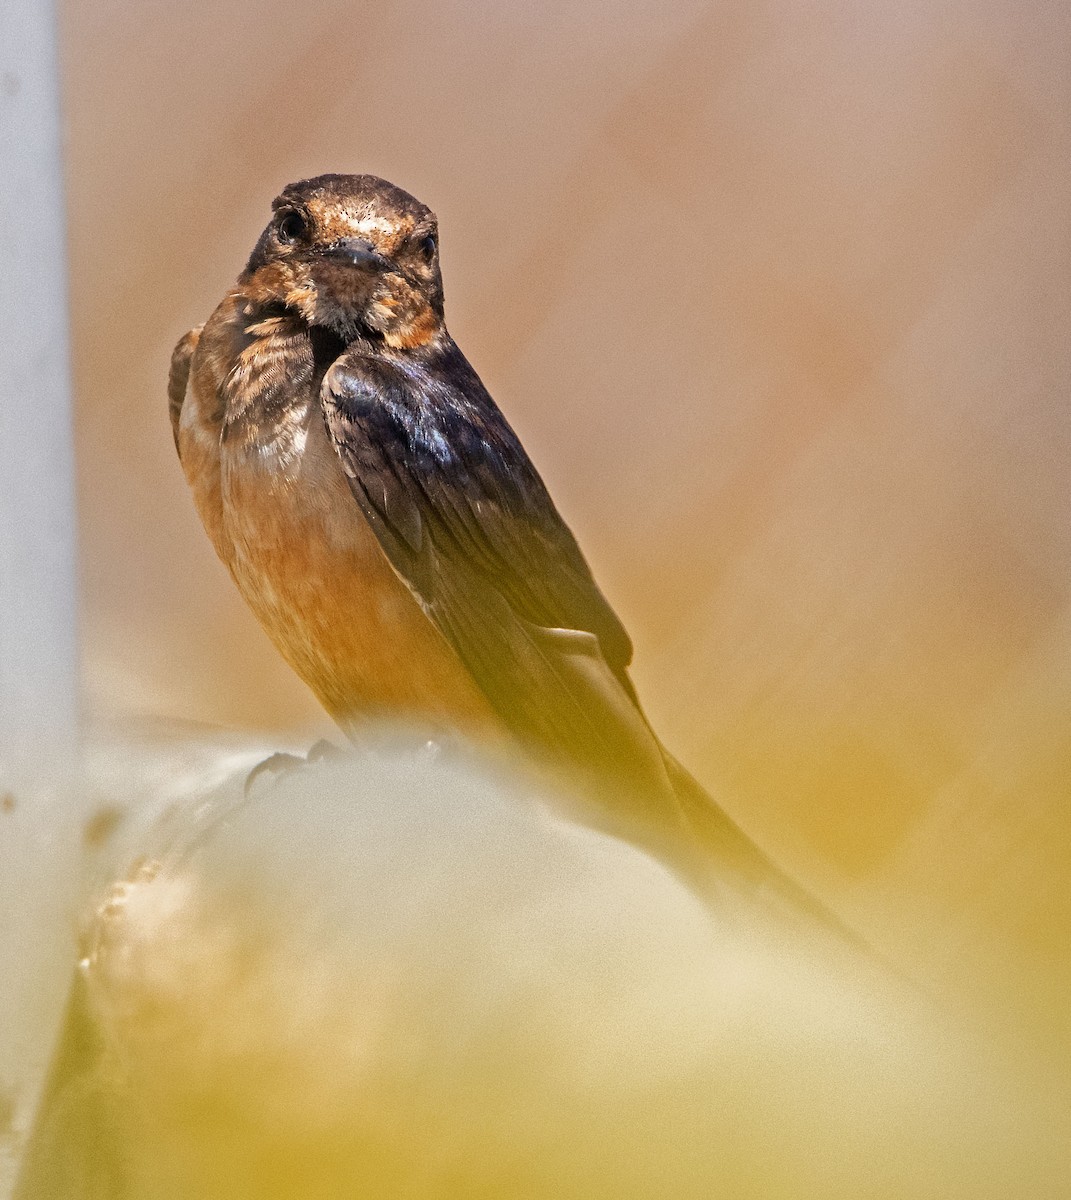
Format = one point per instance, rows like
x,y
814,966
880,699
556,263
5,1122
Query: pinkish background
x,y
776,294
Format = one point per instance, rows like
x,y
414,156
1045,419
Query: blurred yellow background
x,y
777,296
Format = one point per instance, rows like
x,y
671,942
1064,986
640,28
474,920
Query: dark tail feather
x,y
735,859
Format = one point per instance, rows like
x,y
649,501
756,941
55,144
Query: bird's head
x,y
354,254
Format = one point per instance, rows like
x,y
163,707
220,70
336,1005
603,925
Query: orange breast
x,y
281,516
312,570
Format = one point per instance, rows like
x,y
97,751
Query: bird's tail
x,y
736,862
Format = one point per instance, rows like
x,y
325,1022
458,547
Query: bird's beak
x,y
357,252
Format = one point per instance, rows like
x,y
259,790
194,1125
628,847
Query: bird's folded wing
x,y
467,523
178,377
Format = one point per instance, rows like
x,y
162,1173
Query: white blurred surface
x,y
406,974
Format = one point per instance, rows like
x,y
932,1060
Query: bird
x,y
384,523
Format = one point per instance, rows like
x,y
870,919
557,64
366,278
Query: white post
x,y
38,665
39,813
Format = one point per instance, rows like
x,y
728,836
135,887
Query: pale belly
x,y
310,567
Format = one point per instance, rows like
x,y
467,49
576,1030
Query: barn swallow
x,y
386,526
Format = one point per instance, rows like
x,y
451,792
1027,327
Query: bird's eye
x,y
292,225
428,246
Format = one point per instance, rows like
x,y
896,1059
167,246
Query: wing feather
x,y
466,521
178,377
